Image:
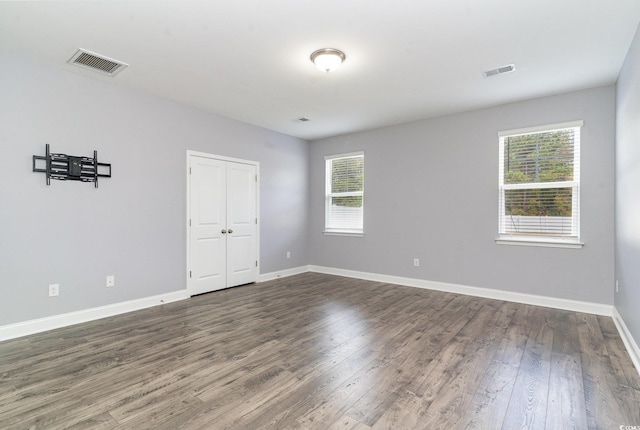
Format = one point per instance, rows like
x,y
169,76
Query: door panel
x,y
209,267
241,219
208,219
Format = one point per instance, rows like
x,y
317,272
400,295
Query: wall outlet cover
x,y
54,290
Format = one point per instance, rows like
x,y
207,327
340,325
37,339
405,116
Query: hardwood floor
x,y
323,352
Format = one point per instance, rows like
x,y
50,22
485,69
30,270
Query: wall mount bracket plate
x,y
71,168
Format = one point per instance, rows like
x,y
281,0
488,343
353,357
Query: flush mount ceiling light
x,y
327,59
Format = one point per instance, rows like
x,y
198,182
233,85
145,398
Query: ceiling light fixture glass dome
x,y
327,59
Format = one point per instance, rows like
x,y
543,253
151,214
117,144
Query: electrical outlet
x,y
111,281
54,290
416,262
288,254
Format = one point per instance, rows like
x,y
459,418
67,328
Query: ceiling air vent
x,y
499,71
96,62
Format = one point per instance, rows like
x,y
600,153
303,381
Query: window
x,y
344,193
539,185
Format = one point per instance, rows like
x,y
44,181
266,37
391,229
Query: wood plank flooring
x,y
316,351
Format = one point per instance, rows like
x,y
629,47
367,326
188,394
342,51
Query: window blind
x,y
344,193
539,182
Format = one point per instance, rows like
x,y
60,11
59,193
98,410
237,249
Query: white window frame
x,y
572,241
328,230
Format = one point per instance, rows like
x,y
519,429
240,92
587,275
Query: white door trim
x,y
191,153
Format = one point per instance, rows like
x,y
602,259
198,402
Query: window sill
x,y
343,233
534,241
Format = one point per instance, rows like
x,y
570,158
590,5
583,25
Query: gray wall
x,y
422,181
628,190
431,193
133,226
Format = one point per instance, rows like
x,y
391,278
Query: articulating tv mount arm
x,y
68,167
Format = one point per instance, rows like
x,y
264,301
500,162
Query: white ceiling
x,y
406,59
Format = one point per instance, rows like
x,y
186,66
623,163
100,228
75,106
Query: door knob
x,y
230,231
224,232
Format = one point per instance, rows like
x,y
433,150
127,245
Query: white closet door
x,y
208,244
242,224
223,232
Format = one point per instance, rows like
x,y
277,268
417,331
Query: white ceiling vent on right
x,y
499,71
96,62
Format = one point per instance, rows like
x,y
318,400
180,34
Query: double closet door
x,y
223,223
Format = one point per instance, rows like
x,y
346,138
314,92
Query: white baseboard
x,y
25,328
13,331
39,325
529,299
283,273
627,339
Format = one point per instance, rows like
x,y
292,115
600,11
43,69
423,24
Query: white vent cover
x,y
500,70
96,62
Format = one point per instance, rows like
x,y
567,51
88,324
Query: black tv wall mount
x,y
71,168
